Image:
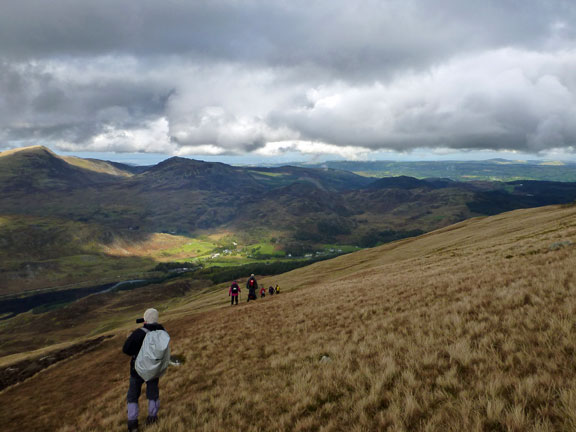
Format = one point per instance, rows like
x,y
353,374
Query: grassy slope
x,y
471,327
96,165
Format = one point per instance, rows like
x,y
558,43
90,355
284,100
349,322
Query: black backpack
x,y
234,289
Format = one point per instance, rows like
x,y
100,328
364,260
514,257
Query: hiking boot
x,y
132,425
151,420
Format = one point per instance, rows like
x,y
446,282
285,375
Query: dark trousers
x,y
152,394
233,299
135,389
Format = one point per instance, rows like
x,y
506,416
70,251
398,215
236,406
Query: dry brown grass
x,y
470,328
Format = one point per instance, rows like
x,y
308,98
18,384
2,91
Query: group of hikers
x,y
148,347
252,287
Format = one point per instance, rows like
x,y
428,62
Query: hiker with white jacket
x,y
149,361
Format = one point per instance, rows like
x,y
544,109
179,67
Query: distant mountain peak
x,y
176,159
37,168
181,161
39,149
175,164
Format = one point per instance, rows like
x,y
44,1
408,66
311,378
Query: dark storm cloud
x,y
337,34
228,76
37,104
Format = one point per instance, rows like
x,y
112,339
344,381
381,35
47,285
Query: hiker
x,y
277,289
154,369
233,293
271,290
262,292
252,286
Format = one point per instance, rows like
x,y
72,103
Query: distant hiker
x,y
148,347
271,290
262,292
277,289
233,293
252,286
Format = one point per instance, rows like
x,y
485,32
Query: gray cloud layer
x,y
228,76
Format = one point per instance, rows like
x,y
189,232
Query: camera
x,y
139,320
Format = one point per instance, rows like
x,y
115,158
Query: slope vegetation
x,y
468,328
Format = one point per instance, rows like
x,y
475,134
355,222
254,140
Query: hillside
x,y
470,327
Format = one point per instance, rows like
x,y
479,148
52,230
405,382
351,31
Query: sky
x,y
290,80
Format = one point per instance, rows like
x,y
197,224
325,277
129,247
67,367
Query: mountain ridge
x,y
186,196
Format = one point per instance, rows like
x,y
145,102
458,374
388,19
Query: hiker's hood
x,y
151,316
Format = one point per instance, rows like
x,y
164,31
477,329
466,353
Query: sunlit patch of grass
x,y
265,248
338,248
192,248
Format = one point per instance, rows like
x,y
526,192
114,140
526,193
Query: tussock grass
x,y
469,328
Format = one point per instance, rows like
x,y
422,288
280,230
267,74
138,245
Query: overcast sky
x,y
290,78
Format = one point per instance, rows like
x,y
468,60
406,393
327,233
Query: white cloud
x,y
504,99
152,137
313,148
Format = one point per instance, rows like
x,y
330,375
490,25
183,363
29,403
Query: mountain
x,y
469,327
38,169
182,173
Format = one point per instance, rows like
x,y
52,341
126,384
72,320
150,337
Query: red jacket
x,y
230,293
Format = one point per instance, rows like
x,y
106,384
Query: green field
x,y
193,248
339,248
